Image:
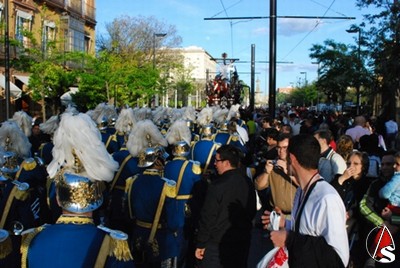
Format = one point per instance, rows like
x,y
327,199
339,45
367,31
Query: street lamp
x,y
305,77
355,29
155,35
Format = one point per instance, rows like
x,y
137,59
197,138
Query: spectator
x,y
392,129
351,186
276,177
226,218
391,191
316,236
330,162
344,146
358,130
370,145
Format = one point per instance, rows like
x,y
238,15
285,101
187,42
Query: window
x,y
88,43
48,35
23,23
1,11
75,36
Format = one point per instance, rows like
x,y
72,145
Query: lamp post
x,y
155,35
305,77
317,81
7,60
357,30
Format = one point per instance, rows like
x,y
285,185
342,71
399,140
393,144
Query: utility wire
x,y
313,29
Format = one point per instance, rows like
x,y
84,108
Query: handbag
x,y
278,256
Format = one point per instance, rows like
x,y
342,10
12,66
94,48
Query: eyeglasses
x,y
218,160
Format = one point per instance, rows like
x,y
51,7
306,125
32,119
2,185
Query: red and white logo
x,y
380,245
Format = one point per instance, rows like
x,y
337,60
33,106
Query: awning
x,y
23,78
15,92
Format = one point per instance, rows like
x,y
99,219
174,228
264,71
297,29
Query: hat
x,y
12,139
80,163
104,115
179,135
146,142
126,121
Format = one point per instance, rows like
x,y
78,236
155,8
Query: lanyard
x,y
303,202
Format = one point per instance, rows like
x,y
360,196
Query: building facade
x,y
69,25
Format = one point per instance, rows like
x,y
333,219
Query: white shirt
x,y
324,215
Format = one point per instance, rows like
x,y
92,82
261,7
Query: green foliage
x,y
383,43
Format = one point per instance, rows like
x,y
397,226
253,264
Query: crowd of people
x,y
187,188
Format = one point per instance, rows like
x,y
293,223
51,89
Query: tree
x,y
340,68
384,49
141,60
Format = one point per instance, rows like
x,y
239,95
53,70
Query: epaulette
x,y
234,138
29,164
196,168
117,244
196,138
170,188
5,244
27,237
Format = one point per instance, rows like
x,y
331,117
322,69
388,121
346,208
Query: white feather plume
x,y
179,131
158,114
126,121
18,142
205,116
220,115
103,110
50,126
189,113
72,109
138,141
176,114
24,121
78,134
233,111
142,113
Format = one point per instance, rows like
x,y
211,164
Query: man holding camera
x,y
277,176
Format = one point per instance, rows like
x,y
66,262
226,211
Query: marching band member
x,y
187,175
80,167
151,201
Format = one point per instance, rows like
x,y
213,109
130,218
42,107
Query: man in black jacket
x,y
225,223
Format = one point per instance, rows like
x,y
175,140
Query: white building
x,y
199,62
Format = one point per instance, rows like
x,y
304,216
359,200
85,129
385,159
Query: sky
x,y
295,37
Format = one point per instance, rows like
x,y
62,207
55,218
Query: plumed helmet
x,y
81,164
207,131
10,164
145,135
12,139
181,148
77,193
148,156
